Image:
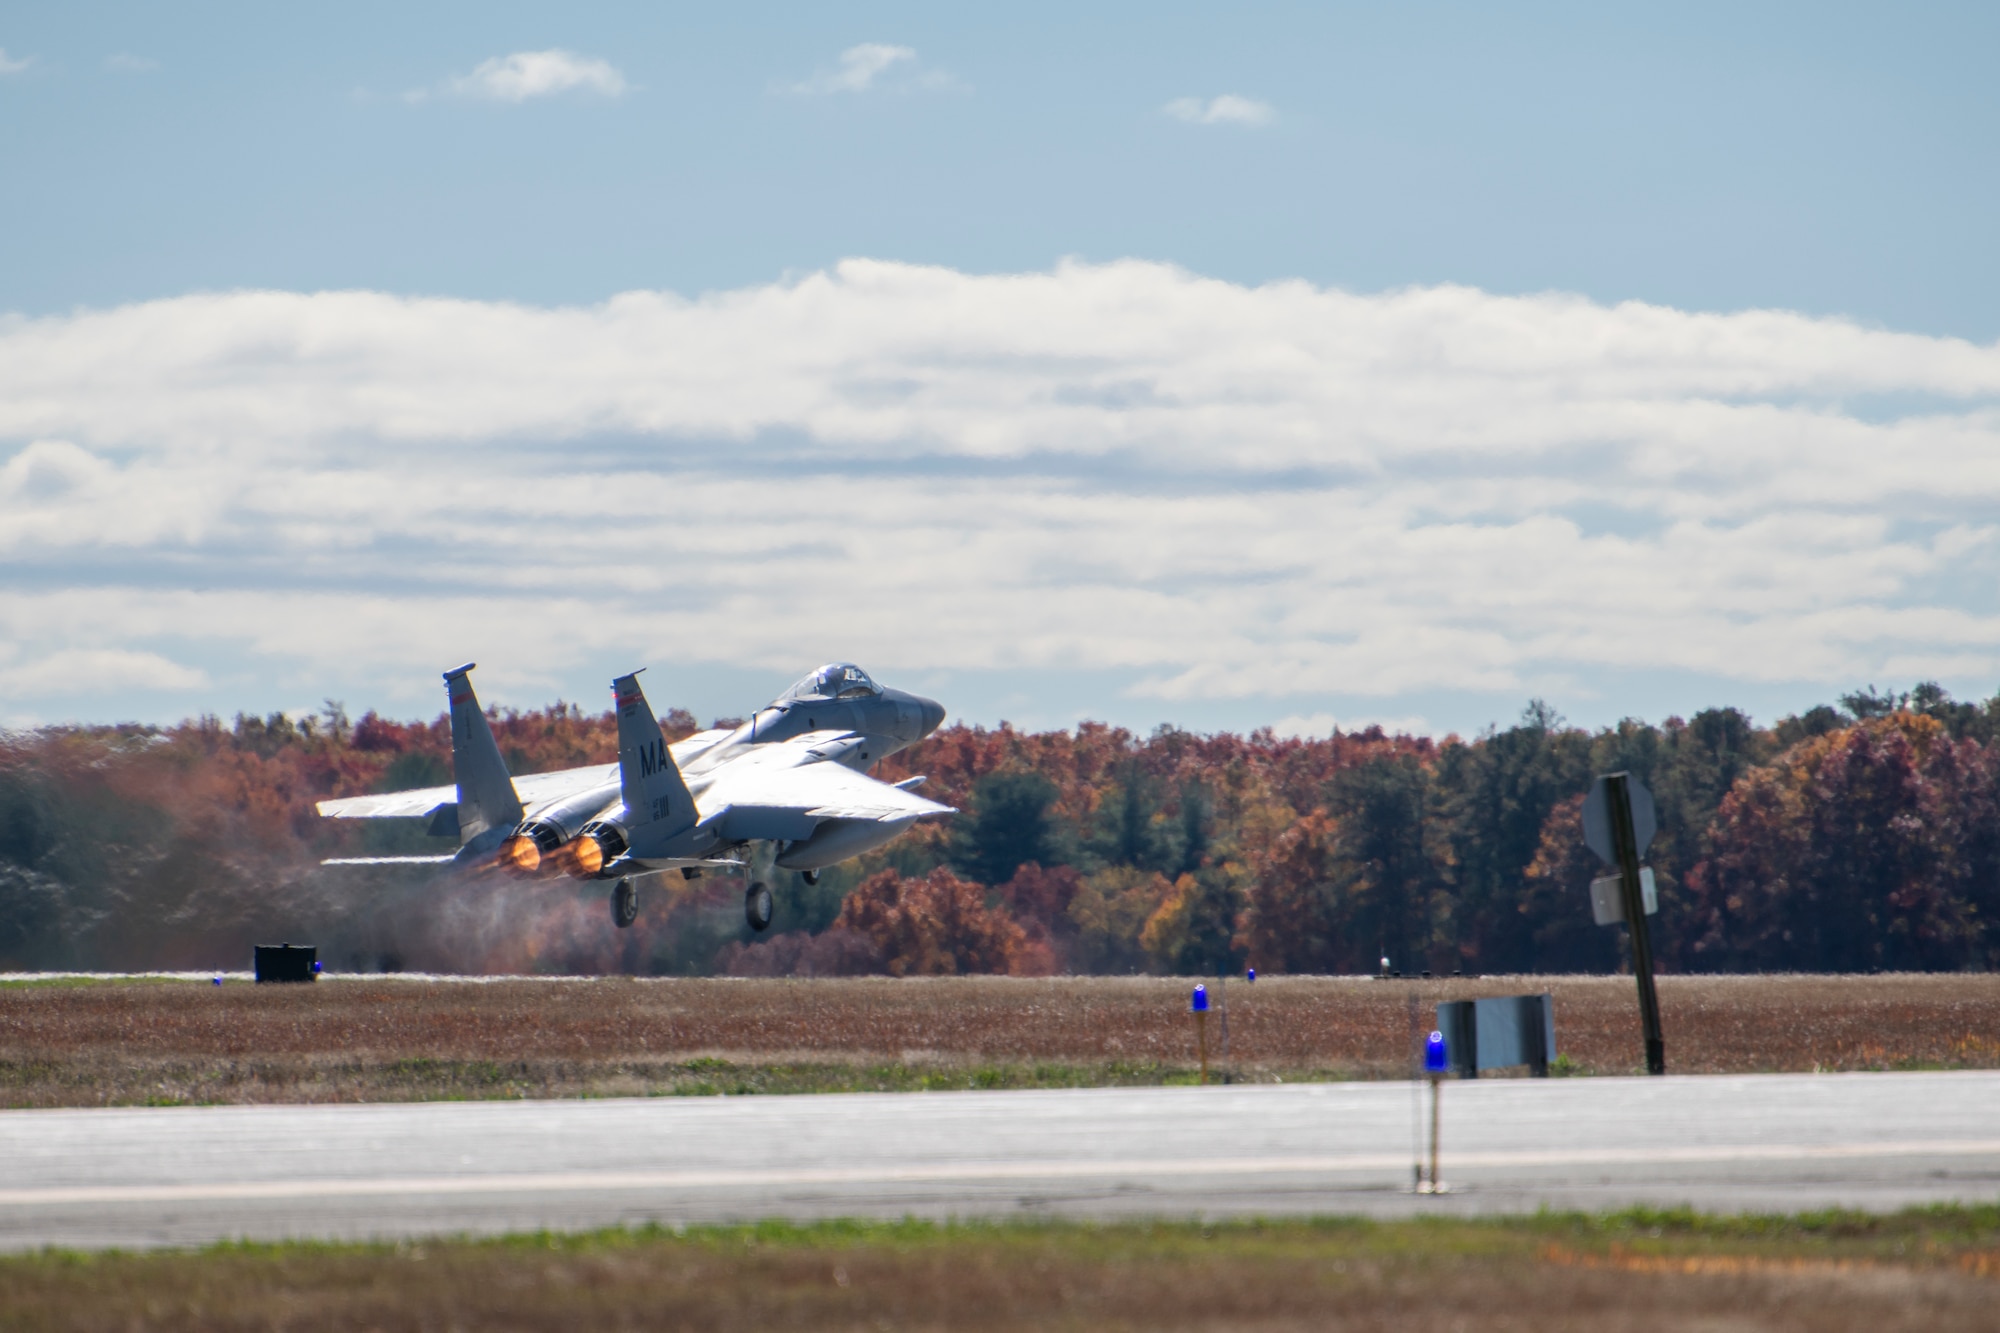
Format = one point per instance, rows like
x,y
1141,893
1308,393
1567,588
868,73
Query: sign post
x,y
1618,824
1436,1063
1199,1005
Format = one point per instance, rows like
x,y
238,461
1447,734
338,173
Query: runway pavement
x,y
1764,1143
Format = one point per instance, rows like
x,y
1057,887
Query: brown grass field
x,y
92,1042
1931,1270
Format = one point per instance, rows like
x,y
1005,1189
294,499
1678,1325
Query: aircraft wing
x,y
535,790
538,789
814,792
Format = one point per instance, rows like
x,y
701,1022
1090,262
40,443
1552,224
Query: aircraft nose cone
x,y
933,715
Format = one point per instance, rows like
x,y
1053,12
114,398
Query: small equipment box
x,y
287,962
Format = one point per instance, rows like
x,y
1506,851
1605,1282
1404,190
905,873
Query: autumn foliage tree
x,y
1289,920
938,925
1039,898
1863,848
1859,836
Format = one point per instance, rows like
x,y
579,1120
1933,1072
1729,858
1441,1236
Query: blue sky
x,y
1840,162
1820,157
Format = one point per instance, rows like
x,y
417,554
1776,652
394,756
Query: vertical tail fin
x,y
656,799
486,797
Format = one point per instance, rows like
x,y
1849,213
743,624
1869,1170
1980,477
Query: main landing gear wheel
x,y
757,906
624,904
812,876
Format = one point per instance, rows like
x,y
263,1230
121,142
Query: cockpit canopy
x,y
839,680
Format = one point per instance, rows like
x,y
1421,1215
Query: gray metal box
x,y
1493,1034
1607,899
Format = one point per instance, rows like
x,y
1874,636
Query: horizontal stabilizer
x,y
388,860
420,804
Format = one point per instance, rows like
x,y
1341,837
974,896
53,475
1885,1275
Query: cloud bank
x,y
861,69
1207,490
1228,109
529,74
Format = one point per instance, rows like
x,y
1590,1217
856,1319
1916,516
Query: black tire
x,y
812,876
624,904
758,906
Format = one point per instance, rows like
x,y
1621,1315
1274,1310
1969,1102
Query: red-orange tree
x,y
1867,847
938,925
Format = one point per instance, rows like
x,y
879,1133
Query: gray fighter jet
x,y
787,789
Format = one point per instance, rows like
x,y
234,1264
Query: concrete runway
x,y
1764,1143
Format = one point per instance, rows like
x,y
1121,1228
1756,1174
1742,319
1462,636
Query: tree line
x,y
1851,838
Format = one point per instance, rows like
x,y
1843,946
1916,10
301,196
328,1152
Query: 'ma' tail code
x,y
656,799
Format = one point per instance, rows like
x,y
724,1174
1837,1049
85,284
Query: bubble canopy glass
x,y
839,680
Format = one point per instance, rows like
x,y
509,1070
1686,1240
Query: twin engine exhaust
x,y
568,836
537,846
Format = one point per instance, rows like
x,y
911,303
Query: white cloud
x,y
9,65
126,63
88,670
1207,490
860,66
526,74
1228,109
1312,726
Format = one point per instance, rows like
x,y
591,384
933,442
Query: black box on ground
x,y
287,962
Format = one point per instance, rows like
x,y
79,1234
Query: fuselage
x,y
741,785
870,727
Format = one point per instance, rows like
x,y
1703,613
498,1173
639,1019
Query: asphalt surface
x,y
169,1176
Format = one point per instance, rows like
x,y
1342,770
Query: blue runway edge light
x,y
315,966
1251,975
1435,1061
1200,1002
218,981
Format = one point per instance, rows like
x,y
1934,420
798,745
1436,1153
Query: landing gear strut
x,y
757,906
624,904
810,876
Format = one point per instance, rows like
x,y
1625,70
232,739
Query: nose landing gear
x,y
624,904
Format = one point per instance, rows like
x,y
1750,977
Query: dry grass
x,y
1634,1271
364,1039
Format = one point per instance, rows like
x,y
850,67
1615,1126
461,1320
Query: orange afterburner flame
x,y
587,857
521,854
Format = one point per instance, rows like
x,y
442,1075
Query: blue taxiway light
x,y
1435,1061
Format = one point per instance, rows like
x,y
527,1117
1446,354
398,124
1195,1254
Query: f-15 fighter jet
x,y
787,789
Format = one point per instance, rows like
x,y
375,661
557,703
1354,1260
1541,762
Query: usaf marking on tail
x,y
787,789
